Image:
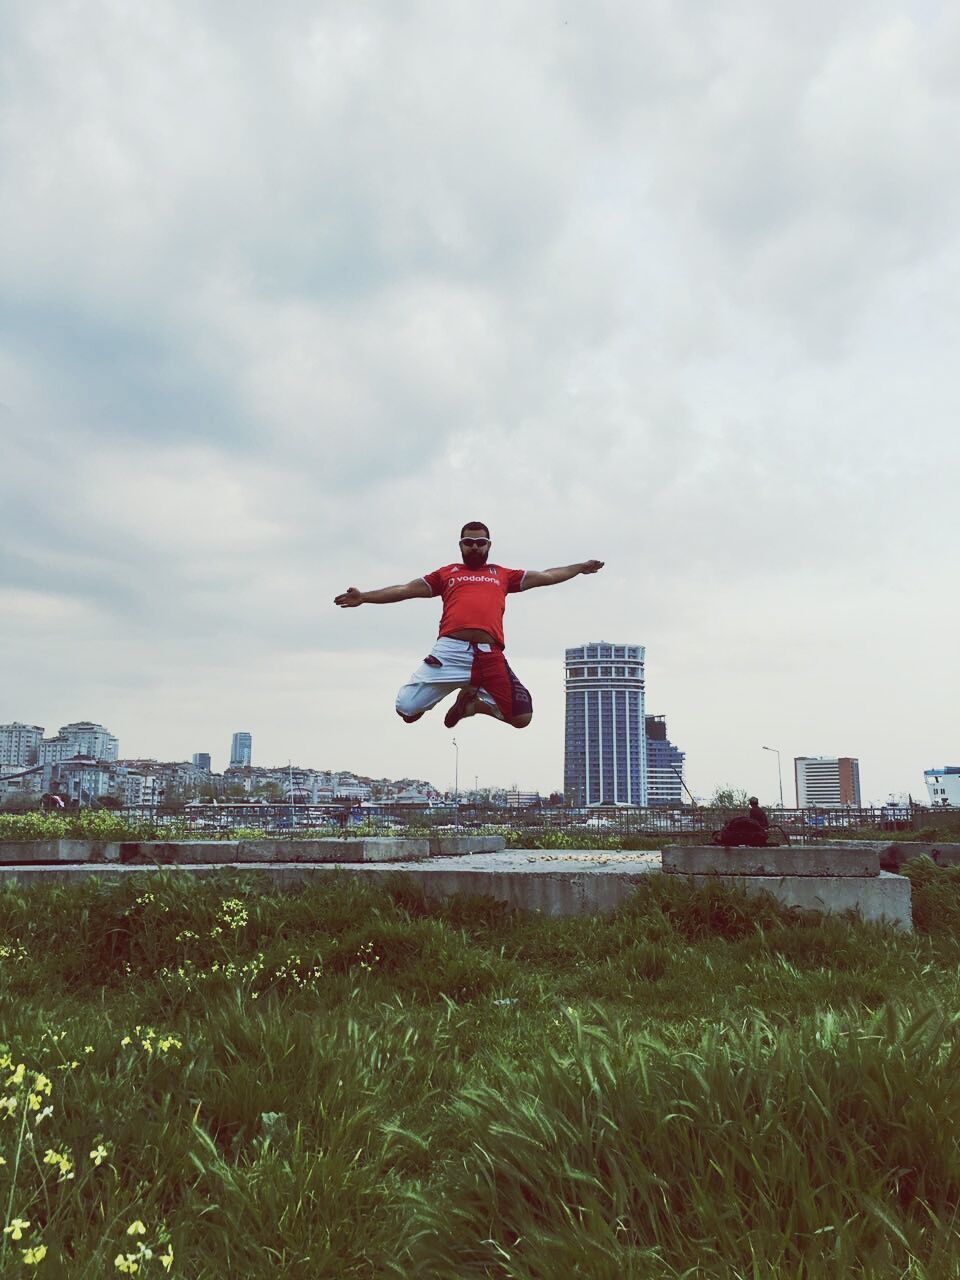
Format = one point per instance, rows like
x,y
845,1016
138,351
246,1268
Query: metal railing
x,y
804,825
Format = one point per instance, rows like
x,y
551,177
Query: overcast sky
x,y
289,292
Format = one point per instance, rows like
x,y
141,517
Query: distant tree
x,y
728,798
271,791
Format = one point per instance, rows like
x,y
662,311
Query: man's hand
x,y
551,577
383,595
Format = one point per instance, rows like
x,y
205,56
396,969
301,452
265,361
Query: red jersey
x,y
474,598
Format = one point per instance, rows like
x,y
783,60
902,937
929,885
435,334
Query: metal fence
x,y
803,825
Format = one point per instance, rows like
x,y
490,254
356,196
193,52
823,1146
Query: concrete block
x,y
455,846
895,855
166,852
785,860
385,849
29,851
561,883
391,849
883,897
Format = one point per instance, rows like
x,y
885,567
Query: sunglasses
x,y
475,542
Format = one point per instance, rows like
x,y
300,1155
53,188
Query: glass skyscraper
x,y
241,750
605,757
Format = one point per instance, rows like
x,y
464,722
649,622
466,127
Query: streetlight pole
x,y
779,774
456,780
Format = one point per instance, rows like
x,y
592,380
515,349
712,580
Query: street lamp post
x,y
456,780
779,774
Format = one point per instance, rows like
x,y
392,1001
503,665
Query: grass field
x,y
217,1082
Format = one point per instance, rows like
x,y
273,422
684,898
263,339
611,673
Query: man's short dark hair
x,y
475,524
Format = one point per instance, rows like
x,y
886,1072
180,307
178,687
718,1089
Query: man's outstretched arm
x,y
385,595
550,577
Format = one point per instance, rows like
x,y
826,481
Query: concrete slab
x,y
895,855
883,897
185,852
33,851
369,849
785,860
168,852
562,883
58,851
449,846
576,882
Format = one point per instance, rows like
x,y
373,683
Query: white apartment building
x,y
138,790
827,781
83,738
943,785
83,779
20,744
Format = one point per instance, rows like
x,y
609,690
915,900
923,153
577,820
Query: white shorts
x,y
447,669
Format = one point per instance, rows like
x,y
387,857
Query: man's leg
x,y
494,691
444,670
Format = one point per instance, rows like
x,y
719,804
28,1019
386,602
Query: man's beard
x,y
475,559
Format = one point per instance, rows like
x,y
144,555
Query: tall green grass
x,y
349,1082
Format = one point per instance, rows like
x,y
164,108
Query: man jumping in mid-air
x,y
468,654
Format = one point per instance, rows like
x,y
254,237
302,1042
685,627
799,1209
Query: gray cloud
x,y
288,298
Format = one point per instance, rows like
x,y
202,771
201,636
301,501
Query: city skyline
x,y
666,285
23,745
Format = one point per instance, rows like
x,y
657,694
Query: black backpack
x,y
741,831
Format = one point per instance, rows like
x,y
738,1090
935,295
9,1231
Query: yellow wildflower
x,y
17,1077
166,1259
9,1105
41,1084
136,1228
63,1163
16,1228
32,1256
125,1041
126,1262
99,1154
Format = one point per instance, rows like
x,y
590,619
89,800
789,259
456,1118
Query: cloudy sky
x,y
288,292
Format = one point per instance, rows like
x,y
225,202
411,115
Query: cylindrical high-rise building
x,y
605,758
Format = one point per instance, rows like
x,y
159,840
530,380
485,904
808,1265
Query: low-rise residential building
x,y
81,778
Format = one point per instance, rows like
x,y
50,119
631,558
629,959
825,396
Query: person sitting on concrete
x,y
756,814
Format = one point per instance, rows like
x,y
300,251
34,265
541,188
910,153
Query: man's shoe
x,y
462,707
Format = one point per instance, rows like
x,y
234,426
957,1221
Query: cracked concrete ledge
x,y
265,850
568,883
